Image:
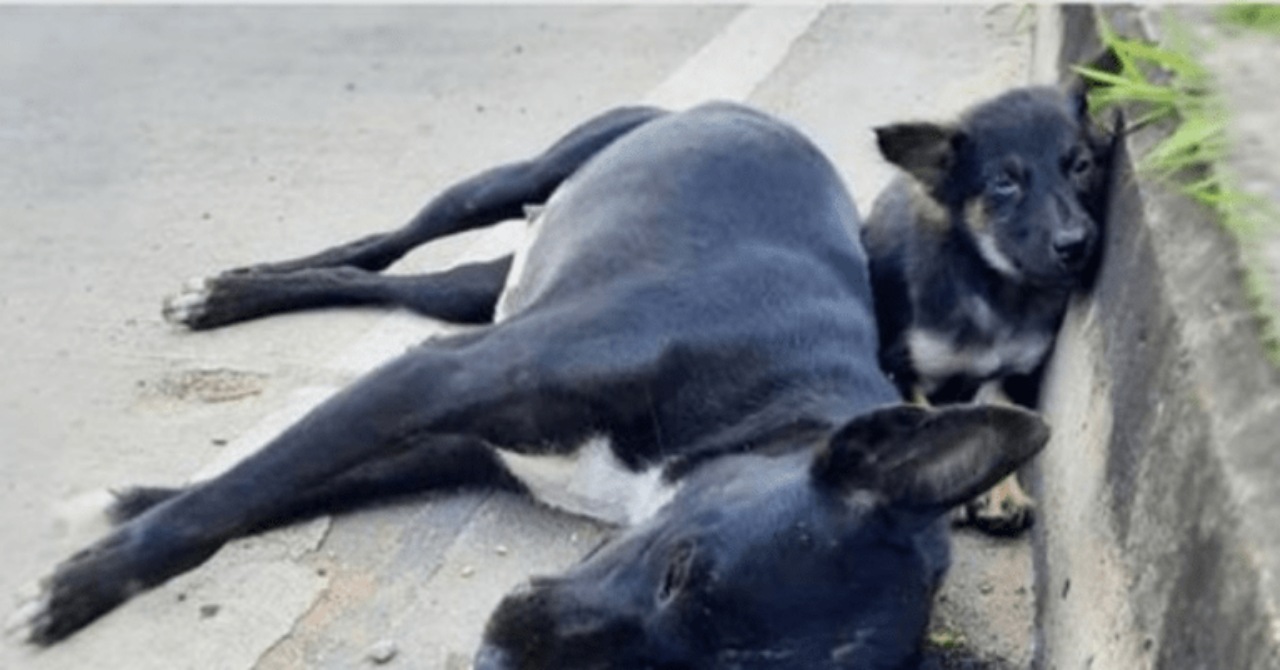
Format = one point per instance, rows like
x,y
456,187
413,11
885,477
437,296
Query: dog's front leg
x,y
451,462
467,386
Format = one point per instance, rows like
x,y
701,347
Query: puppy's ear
x,y
925,462
927,151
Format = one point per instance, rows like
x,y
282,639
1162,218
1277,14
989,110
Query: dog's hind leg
x,y
333,277
464,294
492,196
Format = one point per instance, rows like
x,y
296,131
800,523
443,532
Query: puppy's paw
x,y
190,306
1004,511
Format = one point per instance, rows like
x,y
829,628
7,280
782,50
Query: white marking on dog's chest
x,y
590,481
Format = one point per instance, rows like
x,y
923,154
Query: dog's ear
x,y
924,462
927,151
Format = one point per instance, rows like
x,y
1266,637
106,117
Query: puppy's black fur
x,y
975,250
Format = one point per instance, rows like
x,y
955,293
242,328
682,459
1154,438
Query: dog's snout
x,y
1071,246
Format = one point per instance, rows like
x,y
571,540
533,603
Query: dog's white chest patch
x,y
590,481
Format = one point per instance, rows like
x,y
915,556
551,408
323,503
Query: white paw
x,y
22,622
189,304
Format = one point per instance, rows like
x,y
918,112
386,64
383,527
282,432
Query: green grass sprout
x,y
1256,16
1165,83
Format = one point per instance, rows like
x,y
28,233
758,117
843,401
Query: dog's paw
x,y
32,601
83,588
190,307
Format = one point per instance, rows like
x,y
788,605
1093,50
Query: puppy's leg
x,y
1005,509
494,386
465,294
982,511
492,196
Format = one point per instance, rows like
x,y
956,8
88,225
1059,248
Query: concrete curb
x,y
1158,545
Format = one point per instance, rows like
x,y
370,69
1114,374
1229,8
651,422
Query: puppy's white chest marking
x,y
994,257
936,358
590,481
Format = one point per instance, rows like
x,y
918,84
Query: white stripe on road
x,y
735,61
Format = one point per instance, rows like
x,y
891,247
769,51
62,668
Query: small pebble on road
x,y
382,652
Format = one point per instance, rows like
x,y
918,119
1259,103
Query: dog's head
x,y
1021,174
825,557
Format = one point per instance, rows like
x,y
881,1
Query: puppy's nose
x,y
1071,247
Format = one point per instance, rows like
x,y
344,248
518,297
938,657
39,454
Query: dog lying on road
x,y
975,250
691,324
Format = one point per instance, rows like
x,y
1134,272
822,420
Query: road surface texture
x,y
146,146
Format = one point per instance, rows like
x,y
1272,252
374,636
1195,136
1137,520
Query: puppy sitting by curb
x,y
976,249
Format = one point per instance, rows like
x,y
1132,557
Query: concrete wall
x,y
1159,541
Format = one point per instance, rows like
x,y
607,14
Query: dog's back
x,y
717,187
715,244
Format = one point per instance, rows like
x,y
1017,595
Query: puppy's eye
x,y
1077,163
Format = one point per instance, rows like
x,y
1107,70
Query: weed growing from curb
x,y
1165,83
1263,17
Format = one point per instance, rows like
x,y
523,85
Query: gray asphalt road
x,y
144,146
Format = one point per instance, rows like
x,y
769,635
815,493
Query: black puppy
x,y
975,251
686,347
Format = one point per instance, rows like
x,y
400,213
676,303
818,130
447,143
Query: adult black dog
x,y
687,347
975,250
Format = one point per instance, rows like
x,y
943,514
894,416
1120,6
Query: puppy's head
x,y
1018,173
